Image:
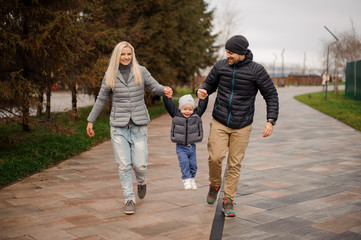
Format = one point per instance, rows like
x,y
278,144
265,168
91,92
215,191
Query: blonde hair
x,y
113,66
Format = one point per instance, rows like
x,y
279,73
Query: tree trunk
x,y
25,123
25,112
39,110
336,80
193,83
74,102
336,86
48,101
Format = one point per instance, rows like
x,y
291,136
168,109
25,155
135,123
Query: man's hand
x,y
267,130
202,93
89,130
168,92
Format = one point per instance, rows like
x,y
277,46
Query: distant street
x,y
61,101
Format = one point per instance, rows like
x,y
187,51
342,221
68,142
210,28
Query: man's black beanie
x,y
237,44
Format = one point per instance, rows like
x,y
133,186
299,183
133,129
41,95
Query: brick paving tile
x,y
342,224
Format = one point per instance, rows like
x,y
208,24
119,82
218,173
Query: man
x,y
238,80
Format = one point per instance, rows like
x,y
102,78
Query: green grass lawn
x,y
47,144
343,109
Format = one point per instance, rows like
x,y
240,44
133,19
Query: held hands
x,y
202,93
267,130
89,130
168,92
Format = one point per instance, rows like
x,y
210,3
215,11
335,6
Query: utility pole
x,y
304,64
283,51
282,76
274,64
328,54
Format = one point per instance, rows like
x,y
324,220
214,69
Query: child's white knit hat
x,y
186,99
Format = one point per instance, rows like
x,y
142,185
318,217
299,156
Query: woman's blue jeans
x,y
187,160
130,151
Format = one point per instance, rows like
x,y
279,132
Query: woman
x,y
125,80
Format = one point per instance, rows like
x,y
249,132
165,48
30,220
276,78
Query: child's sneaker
x,y
228,209
193,182
187,184
212,193
129,207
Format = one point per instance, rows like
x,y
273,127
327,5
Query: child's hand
x,y
202,93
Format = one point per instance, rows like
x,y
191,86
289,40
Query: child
x,y
186,130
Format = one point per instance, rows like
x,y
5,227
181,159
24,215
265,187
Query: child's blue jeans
x,y
187,160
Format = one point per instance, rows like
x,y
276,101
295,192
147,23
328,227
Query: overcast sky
x,y
295,26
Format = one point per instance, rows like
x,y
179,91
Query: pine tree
x,y
194,48
172,39
70,41
18,74
42,40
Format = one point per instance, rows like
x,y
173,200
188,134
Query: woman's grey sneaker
x,y
212,193
129,207
142,190
228,208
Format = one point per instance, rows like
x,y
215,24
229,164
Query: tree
x,y
61,44
40,40
70,41
226,27
17,72
171,38
105,28
193,43
347,49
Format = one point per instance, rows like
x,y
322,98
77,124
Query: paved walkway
x,y
301,183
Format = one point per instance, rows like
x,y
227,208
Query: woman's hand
x,y
168,92
89,130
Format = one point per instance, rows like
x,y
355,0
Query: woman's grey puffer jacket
x,y
127,100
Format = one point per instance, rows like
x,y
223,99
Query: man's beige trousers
x,y
222,139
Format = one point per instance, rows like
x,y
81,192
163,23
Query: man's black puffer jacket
x,y
237,89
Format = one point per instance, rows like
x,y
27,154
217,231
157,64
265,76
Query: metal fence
x,y
297,80
353,80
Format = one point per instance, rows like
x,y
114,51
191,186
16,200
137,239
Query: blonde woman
x,y
125,80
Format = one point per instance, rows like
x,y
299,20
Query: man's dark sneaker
x,y
129,207
142,190
228,208
212,193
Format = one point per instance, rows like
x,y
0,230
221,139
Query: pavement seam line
x,y
218,220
